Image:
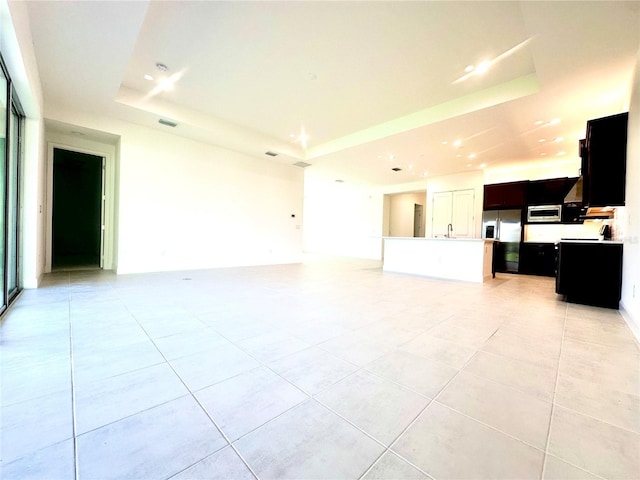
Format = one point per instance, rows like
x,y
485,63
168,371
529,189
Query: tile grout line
x,y
191,393
76,463
391,445
555,390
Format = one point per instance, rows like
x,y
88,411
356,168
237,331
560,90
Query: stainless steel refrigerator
x,y
506,227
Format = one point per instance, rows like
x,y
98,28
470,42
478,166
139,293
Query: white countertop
x,y
446,239
604,242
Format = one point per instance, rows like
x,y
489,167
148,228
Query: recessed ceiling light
x,y
561,153
539,122
483,165
469,68
542,140
558,139
392,157
445,142
555,121
468,165
457,143
458,155
473,155
482,67
148,77
542,154
292,135
425,174
410,166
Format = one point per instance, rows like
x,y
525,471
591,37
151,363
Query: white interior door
x,y
442,205
462,217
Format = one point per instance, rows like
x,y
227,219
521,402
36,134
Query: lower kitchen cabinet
x,y
538,259
590,273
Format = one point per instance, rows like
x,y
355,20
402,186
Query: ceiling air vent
x,y
396,169
302,164
271,154
168,123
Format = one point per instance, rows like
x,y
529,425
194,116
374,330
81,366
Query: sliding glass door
x,y
11,122
4,101
13,191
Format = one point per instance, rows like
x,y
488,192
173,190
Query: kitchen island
x,y
465,259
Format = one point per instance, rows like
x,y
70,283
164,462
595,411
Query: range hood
x,y
599,213
575,194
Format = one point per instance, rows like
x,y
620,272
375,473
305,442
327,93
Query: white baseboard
x,y
633,323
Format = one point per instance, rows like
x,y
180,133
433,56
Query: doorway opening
x,y
77,210
418,222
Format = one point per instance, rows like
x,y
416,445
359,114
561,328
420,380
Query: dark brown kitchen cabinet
x,y
504,195
590,273
537,259
606,154
551,191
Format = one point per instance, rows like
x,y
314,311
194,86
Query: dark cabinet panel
x,y
504,195
590,273
549,192
538,259
606,146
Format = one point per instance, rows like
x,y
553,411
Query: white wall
x,y
341,218
185,204
540,171
401,213
631,254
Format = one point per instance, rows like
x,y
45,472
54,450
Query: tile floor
x,y
326,370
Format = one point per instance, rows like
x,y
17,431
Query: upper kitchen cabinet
x,y
606,146
452,214
504,195
549,192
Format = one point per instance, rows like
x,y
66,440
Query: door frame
x,y
107,246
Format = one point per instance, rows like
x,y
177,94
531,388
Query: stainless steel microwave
x,y
544,213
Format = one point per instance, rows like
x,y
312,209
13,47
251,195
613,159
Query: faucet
x,y
449,231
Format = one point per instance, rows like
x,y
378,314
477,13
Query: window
x,y
11,131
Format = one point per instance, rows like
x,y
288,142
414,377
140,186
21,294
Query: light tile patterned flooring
x,y
325,370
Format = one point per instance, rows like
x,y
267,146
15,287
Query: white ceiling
x,y
372,83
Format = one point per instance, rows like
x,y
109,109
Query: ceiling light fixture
x,y
457,143
484,66
469,68
472,156
483,165
303,138
538,122
558,139
445,142
148,77
542,140
561,153
555,121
